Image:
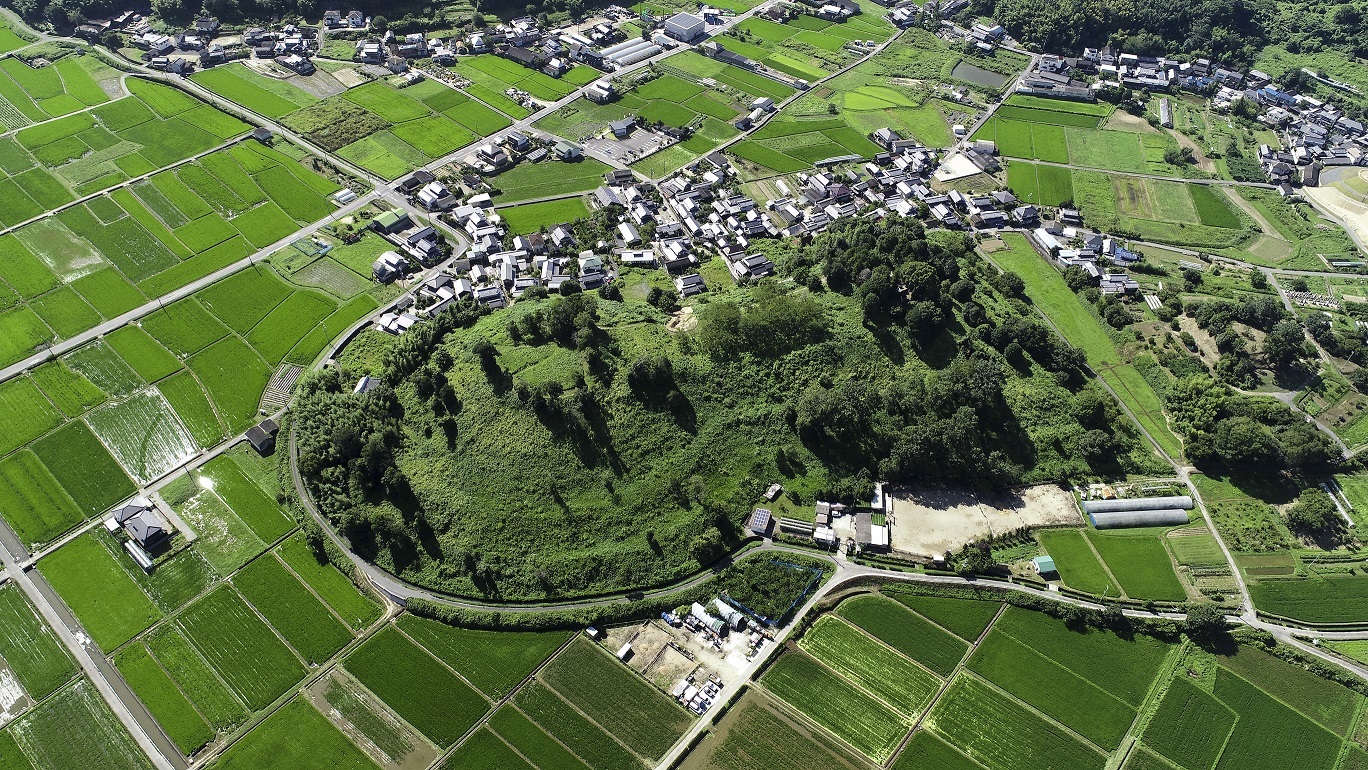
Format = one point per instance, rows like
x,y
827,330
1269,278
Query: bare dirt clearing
x,y
930,522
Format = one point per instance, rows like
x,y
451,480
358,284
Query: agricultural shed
x,y
1044,564
1138,504
1165,517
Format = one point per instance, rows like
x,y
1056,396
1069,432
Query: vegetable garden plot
x,y
1059,693
905,632
75,729
240,647
416,686
613,696
861,721
1002,735
297,737
210,696
84,468
33,502
596,747
884,673
336,589
144,435
25,414
111,607
1190,726
159,693
494,661
30,648
305,622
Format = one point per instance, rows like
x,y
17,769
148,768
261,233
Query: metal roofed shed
x,y
1138,504
1044,564
1162,517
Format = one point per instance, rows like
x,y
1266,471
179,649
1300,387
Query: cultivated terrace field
x,y
1002,688
623,427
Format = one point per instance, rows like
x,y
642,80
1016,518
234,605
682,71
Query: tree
x,y
707,547
379,24
975,558
1314,512
1204,622
1359,379
1076,279
1285,344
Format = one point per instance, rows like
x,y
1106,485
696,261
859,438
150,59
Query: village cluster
x,y
1314,133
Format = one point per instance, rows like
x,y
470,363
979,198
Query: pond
x,y
978,76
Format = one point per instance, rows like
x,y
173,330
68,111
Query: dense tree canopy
x,y
1228,30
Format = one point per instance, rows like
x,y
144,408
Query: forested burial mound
x,y
572,445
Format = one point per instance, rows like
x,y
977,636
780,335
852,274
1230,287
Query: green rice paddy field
x,y
388,130
69,84
101,258
135,405
805,46
1036,693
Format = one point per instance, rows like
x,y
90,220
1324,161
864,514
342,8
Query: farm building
x,y
1164,517
391,221
262,436
1138,512
684,27
760,522
1044,565
1138,504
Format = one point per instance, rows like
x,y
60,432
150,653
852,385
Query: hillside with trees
x,y
575,445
